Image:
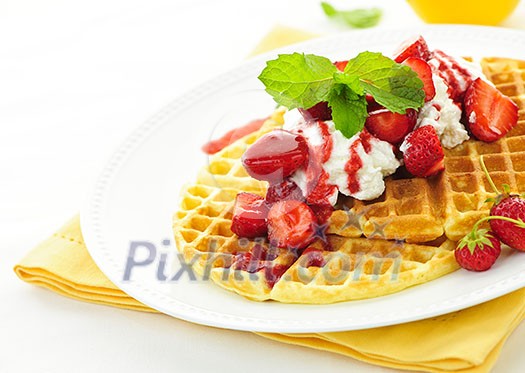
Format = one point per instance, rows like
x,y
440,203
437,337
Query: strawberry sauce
x,y
328,142
217,145
456,76
319,190
352,167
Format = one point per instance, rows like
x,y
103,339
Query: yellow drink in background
x,y
480,12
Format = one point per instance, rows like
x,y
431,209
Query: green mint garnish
x,y
358,18
299,80
303,80
348,109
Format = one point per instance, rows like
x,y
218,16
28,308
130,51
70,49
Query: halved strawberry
x,y
413,47
287,190
341,65
422,152
490,114
391,127
291,224
320,111
424,72
249,216
275,156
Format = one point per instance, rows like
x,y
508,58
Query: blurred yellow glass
x,y
480,12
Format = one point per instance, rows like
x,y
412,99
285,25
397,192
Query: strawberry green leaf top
x,y
303,80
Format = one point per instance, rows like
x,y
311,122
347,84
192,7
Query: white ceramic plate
x,y
138,191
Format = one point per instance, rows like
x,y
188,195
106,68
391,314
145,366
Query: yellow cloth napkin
x,y
466,341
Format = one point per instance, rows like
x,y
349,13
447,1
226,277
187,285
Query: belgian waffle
x,y
430,214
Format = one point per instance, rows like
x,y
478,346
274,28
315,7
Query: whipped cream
x,y
444,115
376,159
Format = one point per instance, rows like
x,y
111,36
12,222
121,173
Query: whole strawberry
x,y
507,215
510,233
423,153
478,250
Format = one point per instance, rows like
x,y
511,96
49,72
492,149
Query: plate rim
x,y
90,212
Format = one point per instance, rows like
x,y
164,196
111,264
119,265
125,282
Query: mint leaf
x,y
298,80
351,81
396,87
348,110
358,18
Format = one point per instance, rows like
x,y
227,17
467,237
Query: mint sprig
x,y
303,80
358,18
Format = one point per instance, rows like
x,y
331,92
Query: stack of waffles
x,y
404,238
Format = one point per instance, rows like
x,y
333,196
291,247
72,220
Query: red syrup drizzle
x,y
355,163
217,145
456,76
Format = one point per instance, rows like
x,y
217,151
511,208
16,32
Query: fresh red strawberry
x,y
507,215
341,65
478,250
423,153
391,127
510,233
275,156
287,190
424,72
249,216
291,224
320,111
490,114
414,47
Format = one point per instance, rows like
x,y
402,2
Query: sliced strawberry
x,y
320,111
422,152
275,156
490,114
341,65
287,190
391,127
291,224
249,216
414,47
424,72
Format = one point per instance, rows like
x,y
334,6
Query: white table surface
x,y
75,78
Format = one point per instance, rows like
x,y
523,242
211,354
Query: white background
x,y
75,78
